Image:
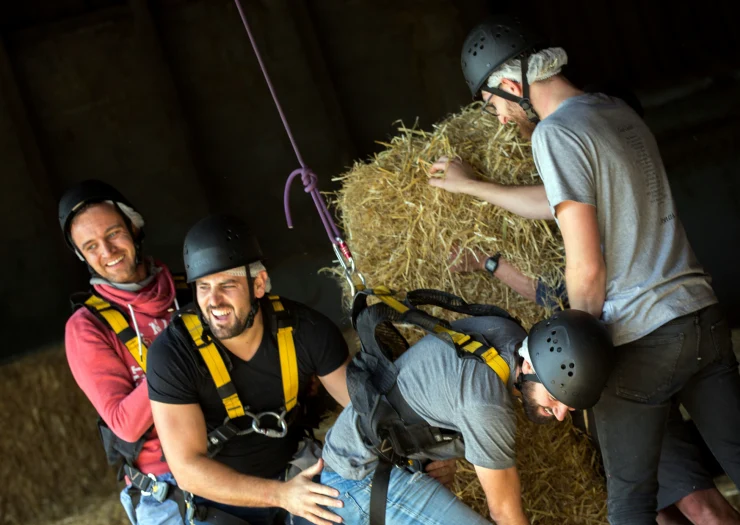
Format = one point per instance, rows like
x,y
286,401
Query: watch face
x,y
491,264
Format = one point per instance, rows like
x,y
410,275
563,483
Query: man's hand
x,y
443,471
302,497
468,260
457,175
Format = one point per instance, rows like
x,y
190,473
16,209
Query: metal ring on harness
x,y
269,432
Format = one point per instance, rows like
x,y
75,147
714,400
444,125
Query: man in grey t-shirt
x,y
469,397
628,261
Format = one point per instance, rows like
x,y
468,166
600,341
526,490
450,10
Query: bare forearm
x,y
586,290
512,277
529,202
217,482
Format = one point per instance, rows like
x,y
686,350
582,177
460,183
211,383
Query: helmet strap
x,y
255,302
524,101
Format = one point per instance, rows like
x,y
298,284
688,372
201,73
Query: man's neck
x,y
245,345
547,96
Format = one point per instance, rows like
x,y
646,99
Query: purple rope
x,y
308,177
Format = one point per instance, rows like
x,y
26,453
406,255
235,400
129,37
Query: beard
x,y
531,408
236,327
519,117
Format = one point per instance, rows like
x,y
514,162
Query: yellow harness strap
x,y
490,355
118,323
220,374
216,366
288,360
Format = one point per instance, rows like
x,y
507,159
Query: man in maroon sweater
x,y
105,231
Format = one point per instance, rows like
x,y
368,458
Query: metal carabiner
x,y
344,255
269,432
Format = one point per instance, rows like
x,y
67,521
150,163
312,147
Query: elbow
x,y
590,279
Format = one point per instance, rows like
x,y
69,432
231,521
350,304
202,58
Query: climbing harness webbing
x,y
282,323
385,419
114,319
463,342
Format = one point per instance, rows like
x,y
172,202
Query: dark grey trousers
x,y
689,361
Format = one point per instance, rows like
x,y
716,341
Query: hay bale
x,y
52,462
401,231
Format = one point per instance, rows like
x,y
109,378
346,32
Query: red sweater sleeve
x,y
100,365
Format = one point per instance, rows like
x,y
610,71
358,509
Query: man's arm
x,y
504,495
585,269
182,430
529,202
105,379
336,384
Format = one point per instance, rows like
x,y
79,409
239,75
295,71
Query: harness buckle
x,y
270,432
158,489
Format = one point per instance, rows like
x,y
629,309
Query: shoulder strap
x,y
220,373
117,322
286,347
464,343
216,367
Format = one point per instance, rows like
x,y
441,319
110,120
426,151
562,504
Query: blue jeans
x,y
149,511
413,498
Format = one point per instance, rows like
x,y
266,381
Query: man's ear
x,y
510,86
527,368
260,280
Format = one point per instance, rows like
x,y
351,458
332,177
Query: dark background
x,y
165,100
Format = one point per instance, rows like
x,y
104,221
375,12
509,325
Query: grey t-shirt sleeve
x,y
564,165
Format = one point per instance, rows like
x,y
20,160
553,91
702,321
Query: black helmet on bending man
x,y
572,356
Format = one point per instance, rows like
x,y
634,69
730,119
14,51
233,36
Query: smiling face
x,y
100,234
225,301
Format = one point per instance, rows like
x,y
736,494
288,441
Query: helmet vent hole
x,y
481,47
572,365
570,374
554,332
475,53
552,349
549,339
555,341
560,349
513,45
562,367
482,39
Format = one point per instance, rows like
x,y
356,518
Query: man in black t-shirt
x,y
245,476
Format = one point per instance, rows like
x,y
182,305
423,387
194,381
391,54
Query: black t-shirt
x,y
177,375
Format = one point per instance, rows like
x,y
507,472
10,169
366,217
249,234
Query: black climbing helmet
x,y
218,243
572,356
491,44
89,192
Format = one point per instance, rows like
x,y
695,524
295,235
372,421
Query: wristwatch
x,y
492,263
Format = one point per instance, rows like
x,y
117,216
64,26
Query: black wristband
x,y
492,263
